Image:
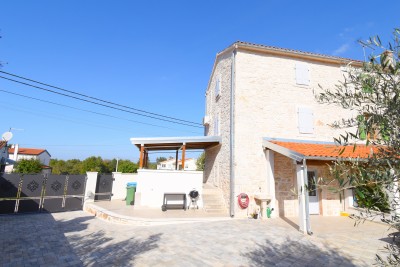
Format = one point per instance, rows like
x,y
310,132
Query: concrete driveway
x,y
78,239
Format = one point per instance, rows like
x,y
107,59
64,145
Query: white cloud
x,y
342,49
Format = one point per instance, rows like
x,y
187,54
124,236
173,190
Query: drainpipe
x,y
231,144
306,200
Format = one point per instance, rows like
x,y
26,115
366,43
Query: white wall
x,y
119,184
152,184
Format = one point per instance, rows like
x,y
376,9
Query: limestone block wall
x,y
217,164
285,186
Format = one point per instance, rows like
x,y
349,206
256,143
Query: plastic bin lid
x,y
131,184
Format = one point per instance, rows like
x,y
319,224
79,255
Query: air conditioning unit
x,y
206,120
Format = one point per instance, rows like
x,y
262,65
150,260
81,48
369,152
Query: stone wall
x,y
217,163
285,186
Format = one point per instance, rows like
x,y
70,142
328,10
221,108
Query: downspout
x,y
232,135
306,199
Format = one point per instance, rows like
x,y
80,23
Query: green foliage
x,y
94,164
126,166
372,92
160,159
75,166
372,197
201,162
28,166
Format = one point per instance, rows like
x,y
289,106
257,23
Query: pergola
x,y
172,143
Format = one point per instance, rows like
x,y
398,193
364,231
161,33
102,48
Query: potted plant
x,y
256,212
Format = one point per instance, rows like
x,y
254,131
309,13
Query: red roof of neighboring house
x,y
328,150
28,151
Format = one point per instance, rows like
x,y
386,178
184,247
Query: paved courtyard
x,y
79,239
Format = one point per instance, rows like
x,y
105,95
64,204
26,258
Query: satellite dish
x,y
7,136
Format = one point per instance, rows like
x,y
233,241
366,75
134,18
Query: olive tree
x,y
372,92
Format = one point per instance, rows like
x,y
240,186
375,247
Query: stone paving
x,y
79,239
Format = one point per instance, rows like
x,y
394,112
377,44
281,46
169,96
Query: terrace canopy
x,y
172,143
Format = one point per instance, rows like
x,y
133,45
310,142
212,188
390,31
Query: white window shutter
x,y
306,120
302,73
217,87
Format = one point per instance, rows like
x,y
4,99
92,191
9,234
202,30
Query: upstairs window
x,y
218,87
302,74
306,120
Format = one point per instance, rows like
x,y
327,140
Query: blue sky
x,y
151,55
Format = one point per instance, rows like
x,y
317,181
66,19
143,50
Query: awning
x,y
173,143
299,150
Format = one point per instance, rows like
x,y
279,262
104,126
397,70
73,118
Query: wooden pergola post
x,y
183,156
146,159
141,157
176,160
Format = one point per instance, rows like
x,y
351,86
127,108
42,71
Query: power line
x,y
89,111
101,100
99,104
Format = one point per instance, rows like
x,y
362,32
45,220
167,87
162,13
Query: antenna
x,y
7,136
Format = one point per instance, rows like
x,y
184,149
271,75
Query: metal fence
x,y
37,192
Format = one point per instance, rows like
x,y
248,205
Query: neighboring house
x,y
17,153
170,164
3,155
260,101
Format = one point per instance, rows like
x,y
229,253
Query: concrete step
x,y
214,207
211,191
213,200
222,211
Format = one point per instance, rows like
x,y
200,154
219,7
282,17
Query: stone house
x,y
260,101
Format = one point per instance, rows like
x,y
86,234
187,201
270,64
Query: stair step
x,y
213,200
222,211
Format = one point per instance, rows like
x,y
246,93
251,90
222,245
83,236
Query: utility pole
x,y
116,167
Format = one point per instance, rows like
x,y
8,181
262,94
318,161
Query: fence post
x,y
90,189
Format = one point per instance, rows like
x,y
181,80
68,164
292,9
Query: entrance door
x,y
312,193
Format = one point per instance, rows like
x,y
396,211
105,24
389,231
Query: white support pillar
x,y
394,198
304,215
90,186
271,182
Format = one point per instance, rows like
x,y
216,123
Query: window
x,y
312,187
306,120
302,73
163,165
218,87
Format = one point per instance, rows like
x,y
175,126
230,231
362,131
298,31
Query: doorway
x,y
312,193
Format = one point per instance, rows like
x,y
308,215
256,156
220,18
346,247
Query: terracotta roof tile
x,y
328,150
27,151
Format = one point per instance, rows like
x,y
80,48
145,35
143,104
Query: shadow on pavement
x,y
97,248
41,240
293,252
291,223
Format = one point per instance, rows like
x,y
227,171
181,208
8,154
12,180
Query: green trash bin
x,y
130,193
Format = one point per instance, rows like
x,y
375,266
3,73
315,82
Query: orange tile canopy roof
x,y
319,151
27,151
